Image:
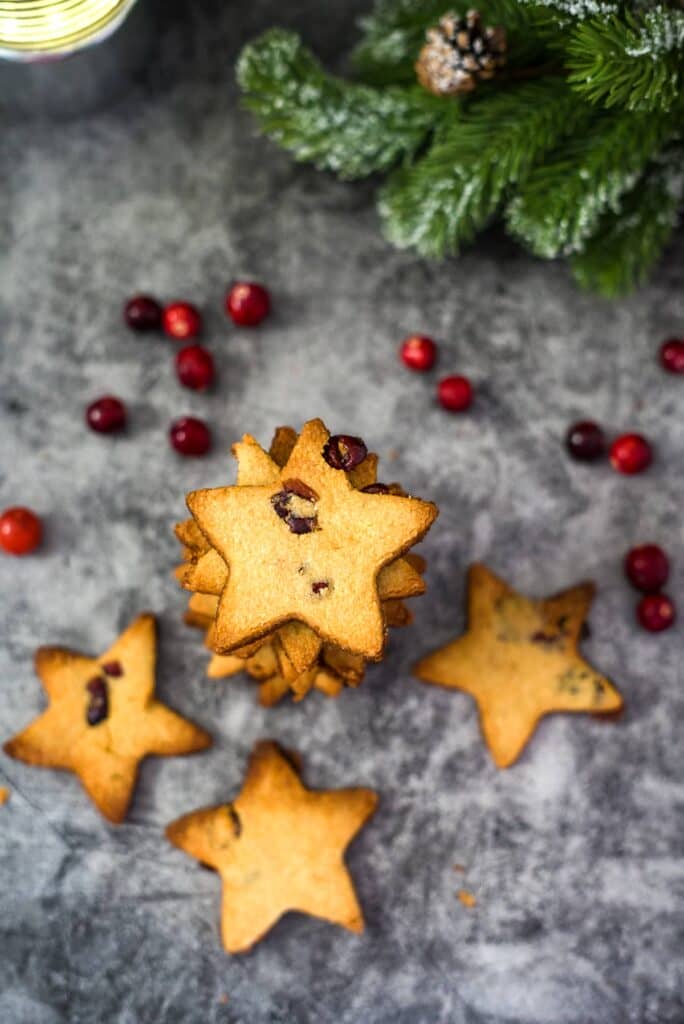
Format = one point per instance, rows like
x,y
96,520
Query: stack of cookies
x,y
298,570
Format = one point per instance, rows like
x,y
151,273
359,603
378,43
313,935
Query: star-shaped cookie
x,y
103,719
278,847
307,547
520,660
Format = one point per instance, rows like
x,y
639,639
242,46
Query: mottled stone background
x,y
575,854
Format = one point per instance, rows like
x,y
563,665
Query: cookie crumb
x,y
4,795
459,867
466,898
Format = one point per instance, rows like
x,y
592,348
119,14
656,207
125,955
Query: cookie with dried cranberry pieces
x,y
321,544
103,718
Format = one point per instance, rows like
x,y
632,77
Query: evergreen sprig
x,y
445,198
560,204
575,140
631,61
351,129
626,246
568,11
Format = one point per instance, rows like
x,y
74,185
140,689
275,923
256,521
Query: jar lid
x,y
35,29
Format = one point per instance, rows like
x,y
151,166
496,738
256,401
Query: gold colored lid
x,y
56,26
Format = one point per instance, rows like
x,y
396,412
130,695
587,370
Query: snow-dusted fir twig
x,y
566,116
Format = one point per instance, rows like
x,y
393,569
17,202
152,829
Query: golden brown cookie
x,y
284,440
265,668
519,659
272,690
320,545
191,537
201,611
396,613
209,575
349,667
278,847
300,648
297,644
103,719
328,683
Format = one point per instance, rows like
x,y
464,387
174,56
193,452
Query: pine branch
x,y
560,204
344,127
395,32
626,247
568,11
393,35
631,61
451,193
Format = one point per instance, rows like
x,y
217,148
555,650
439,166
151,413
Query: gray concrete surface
x,y
575,854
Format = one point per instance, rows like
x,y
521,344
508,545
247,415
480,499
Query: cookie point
x,y
356,925
145,618
588,588
42,656
373,800
204,739
503,762
614,700
479,569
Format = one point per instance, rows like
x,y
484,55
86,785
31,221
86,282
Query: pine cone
x,y
459,53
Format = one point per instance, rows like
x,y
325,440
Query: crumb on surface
x,y
466,898
4,795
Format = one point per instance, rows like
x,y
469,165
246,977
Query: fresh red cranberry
x,y
107,415
195,367
190,436
21,531
647,567
342,451
585,441
418,352
656,612
455,393
182,321
672,355
247,303
630,453
143,313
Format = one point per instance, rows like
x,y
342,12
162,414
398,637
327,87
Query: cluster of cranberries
x,y
419,353
647,568
246,303
629,453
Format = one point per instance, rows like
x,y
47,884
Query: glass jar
x,y
65,57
